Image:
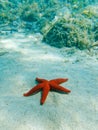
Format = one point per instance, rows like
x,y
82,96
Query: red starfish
x,y
46,86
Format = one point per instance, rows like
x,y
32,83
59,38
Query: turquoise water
x,y
49,39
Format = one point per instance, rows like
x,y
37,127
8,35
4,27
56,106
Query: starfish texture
x,y
46,86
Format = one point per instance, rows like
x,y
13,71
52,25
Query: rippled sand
x,y
22,59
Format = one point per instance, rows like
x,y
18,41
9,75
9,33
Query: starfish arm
x,y
59,80
40,80
60,88
45,93
34,89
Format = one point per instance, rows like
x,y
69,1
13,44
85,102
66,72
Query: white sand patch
x,y
27,58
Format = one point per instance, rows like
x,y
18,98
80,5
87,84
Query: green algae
x,y
70,32
62,24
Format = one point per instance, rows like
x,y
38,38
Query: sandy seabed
x,y
22,59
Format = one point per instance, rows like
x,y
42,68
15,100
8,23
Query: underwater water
x,y
49,39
